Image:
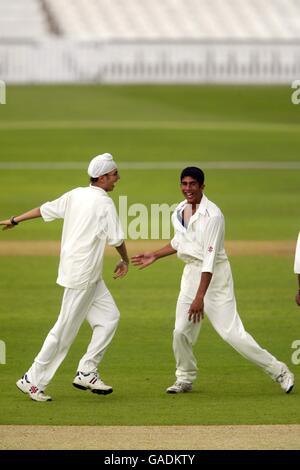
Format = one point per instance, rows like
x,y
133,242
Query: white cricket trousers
x,y
96,305
220,309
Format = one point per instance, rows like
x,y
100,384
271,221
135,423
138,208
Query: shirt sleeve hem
x,y
115,243
174,244
207,269
45,217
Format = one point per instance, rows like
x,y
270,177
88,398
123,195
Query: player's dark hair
x,y
93,180
194,172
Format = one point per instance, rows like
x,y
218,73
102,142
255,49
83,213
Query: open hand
x,y
143,260
7,224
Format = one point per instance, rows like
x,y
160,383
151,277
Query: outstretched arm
x,y
145,259
13,221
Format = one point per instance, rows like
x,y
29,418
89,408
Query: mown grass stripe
x,y
154,165
149,125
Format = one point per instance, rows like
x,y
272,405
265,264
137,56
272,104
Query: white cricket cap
x,y
100,165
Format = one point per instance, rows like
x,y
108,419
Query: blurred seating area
x,y
152,19
22,19
177,19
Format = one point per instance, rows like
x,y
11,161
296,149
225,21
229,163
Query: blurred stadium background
x,y
160,85
137,41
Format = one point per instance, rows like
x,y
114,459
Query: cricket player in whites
x,y
297,269
206,286
90,221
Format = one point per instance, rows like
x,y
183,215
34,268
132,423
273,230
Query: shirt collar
x,y
203,205
99,189
201,209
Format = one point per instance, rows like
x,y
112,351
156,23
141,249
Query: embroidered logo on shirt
x,y
210,249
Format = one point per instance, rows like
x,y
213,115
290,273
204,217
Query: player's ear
x,y
102,178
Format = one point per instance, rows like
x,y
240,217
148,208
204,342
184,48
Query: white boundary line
x,y
14,166
148,125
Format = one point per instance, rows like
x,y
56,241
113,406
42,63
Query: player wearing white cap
x,y
90,221
297,268
206,286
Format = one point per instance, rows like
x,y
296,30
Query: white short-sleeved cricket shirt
x,y
90,221
203,239
297,257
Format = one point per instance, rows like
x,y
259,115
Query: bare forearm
x,y
32,214
165,251
122,250
196,310
204,283
298,293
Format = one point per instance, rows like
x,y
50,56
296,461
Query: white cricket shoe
x,y
91,381
180,387
285,379
23,384
38,395
34,392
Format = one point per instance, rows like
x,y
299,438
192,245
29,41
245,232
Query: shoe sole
x,y
79,386
102,392
290,389
41,401
98,392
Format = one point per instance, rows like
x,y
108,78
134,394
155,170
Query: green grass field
x,y
66,124
139,362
